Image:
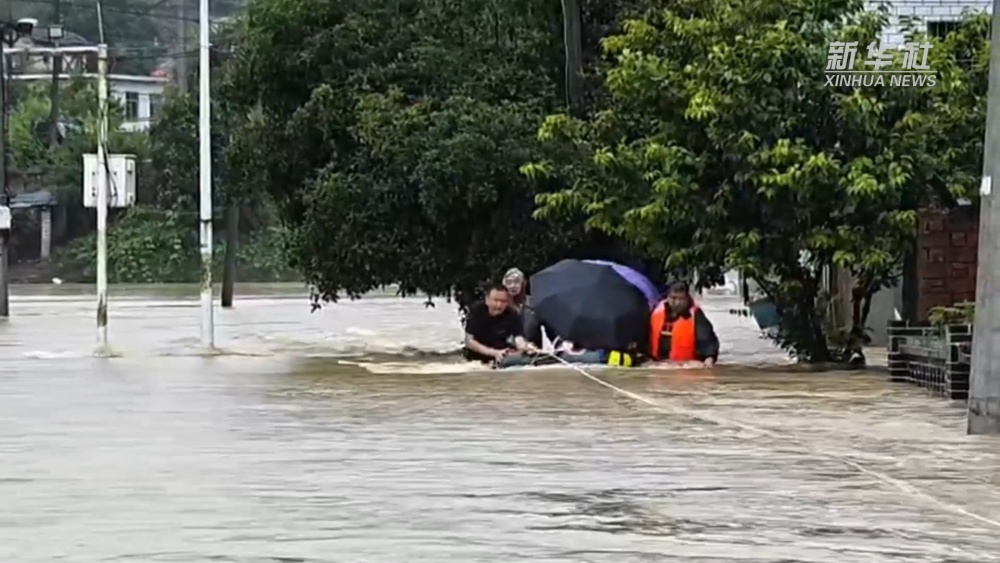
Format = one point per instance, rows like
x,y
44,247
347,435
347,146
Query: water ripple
x,y
286,450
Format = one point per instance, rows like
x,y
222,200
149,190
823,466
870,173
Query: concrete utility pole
x,y
57,68
5,212
205,165
102,196
984,388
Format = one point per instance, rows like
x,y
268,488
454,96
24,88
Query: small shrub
x,y
957,314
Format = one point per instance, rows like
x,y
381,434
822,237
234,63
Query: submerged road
x,y
349,435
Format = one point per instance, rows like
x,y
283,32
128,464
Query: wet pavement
x,y
352,435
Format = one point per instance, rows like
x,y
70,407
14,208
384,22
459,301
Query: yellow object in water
x,y
616,358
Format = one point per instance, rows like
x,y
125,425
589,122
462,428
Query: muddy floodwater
x,y
352,435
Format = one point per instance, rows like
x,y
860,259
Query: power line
x,y
153,11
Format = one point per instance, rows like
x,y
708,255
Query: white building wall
x,y
145,89
927,11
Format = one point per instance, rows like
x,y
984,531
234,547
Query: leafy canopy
x,y
390,134
721,146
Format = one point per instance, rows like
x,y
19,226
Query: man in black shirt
x,y
493,328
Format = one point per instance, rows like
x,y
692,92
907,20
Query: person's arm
x,y
706,341
523,345
532,329
515,328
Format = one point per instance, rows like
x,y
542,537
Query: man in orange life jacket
x,y
680,331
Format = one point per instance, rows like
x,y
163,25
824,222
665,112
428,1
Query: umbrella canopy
x,y
590,304
635,278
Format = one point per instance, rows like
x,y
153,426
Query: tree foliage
x,y
390,133
28,122
172,181
158,240
152,245
720,146
175,143
175,155
62,166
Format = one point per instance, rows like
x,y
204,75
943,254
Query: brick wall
x,y
927,11
947,243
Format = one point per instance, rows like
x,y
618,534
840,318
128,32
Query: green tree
x,y
175,151
175,141
62,166
172,187
721,146
390,135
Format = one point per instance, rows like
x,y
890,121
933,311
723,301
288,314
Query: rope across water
x,y
908,489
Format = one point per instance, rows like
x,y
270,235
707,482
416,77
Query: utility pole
x,y
57,66
5,213
181,60
205,183
102,196
984,385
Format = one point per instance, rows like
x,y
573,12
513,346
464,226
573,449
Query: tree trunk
x,y
229,265
573,45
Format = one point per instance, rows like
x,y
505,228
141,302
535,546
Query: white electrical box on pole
x,y
205,169
984,383
102,196
121,172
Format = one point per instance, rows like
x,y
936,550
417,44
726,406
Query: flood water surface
x,y
352,435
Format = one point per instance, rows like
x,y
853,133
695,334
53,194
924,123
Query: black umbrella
x,y
590,304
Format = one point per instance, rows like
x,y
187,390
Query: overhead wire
x,y
154,10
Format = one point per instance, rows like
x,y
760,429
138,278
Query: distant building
x,y
140,96
936,17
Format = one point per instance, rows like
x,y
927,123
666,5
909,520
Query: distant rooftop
x,y
28,200
40,35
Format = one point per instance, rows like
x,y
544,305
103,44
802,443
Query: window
x,y
131,106
155,103
941,29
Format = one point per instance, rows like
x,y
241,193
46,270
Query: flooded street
x,y
351,435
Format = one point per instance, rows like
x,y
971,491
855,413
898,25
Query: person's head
x,y
514,281
497,299
678,297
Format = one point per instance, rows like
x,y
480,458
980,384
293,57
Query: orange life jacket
x,y
682,337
